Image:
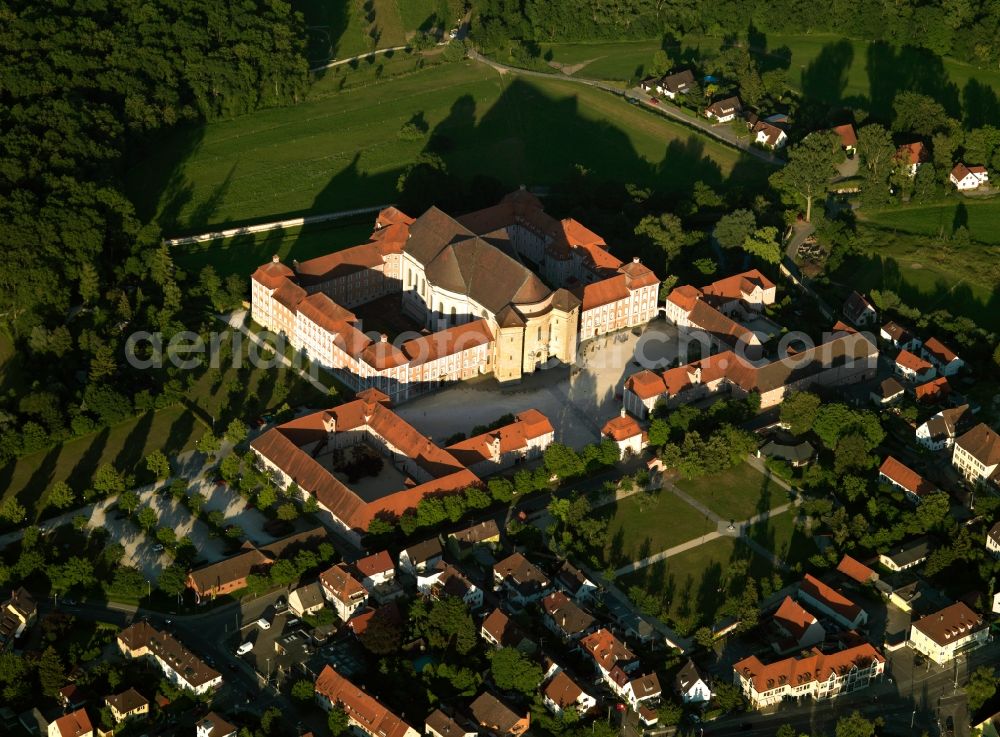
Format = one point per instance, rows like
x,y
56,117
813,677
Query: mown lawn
x,y
642,525
980,217
340,149
784,538
736,494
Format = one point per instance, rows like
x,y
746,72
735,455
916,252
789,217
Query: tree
x,y
166,536
287,512
854,725
158,464
811,165
196,501
661,63
75,571
108,480
502,490
13,511
876,152
512,671
384,633
727,696
266,497
337,721
666,232
919,114
172,580
51,674
799,411
147,518
851,454
303,691
208,444
283,572
449,624
61,496
763,243
236,431
733,229
670,712
981,687
257,584
562,461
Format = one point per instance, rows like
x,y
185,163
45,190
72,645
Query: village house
x,y
830,602
848,138
445,579
677,83
691,685
993,540
306,599
939,432
934,391
17,614
906,555
129,703
561,692
626,433
342,590
499,631
896,473
71,697
638,690
910,156
856,570
799,630
950,632
375,570
795,454
365,713
617,665
944,358
386,613
74,724
968,177
496,718
899,337
565,618
574,582
213,725
522,581
767,135
481,535
523,440
888,392
976,455
178,664
439,724
912,367
724,111
817,675
859,311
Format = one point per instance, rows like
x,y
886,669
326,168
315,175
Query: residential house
x,y
906,555
439,724
343,591
178,664
675,84
496,718
968,177
74,724
691,686
944,358
888,392
912,367
561,692
993,540
899,337
626,433
636,690
482,535
848,138
859,310
574,582
446,580
610,656
910,156
213,725
565,618
520,578
418,558
830,602
856,570
129,703
934,391
365,713
950,632
387,613
375,569
306,599
724,111
794,454
523,440
903,477
71,697
16,615
976,455
939,432
499,631
767,135
799,630
819,675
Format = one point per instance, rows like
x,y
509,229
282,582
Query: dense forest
x,y
85,87
956,28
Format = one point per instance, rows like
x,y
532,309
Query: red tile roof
x,y
606,291
830,597
933,390
272,274
856,570
912,362
645,384
904,476
606,649
562,690
798,671
738,285
376,563
912,153
365,710
792,618
74,724
685,296
848,138
621,428
527,426
448,342
392,215
942,353
951,623
341,584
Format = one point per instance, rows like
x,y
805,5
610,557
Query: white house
x,y
306,599
908,555
523,581
899,336
445,579
418,558
950,632
912,367
74,724
376,570
691,686
993,540
364,713
898,474
939,432
910,156
976,455
831,602
212,725
638,689
343,591
626,433
969,177
944,358
859,310
767,135
675,84
178,664
562,692
725,110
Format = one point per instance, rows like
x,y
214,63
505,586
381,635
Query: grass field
x,y
340,150
781,536
736,494
642,525
981,218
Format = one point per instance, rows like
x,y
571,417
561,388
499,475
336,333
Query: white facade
x,y
946,652
972,178
697,693
855,678
472,597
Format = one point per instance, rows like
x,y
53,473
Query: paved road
x,y
720,132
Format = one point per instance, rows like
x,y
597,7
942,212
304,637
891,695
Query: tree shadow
x,y
32,493
825,78
180,431
979,105
960,219
83,472
617,546
132,449
202,215
709,592
907,69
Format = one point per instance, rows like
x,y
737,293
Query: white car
x,y
263,624
158,548
244,648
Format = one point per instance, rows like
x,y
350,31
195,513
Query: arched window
x,y
454,315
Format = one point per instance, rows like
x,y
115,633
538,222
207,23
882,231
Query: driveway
x,y
578,399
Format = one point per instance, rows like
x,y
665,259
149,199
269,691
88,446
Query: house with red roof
x,y
74,724
912,367
896,473
342,590
830,602
798,629
944,358
968,177
626,433
524,439
910,156
364,712
933,391
848,138
856,570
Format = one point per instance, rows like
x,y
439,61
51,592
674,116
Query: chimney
x,y
275,259
621,412
635,259
383,338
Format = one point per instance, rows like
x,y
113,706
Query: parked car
x,y
244,648
158,548
654,100
263,624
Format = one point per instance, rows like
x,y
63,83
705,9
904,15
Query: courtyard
x,y
736,494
